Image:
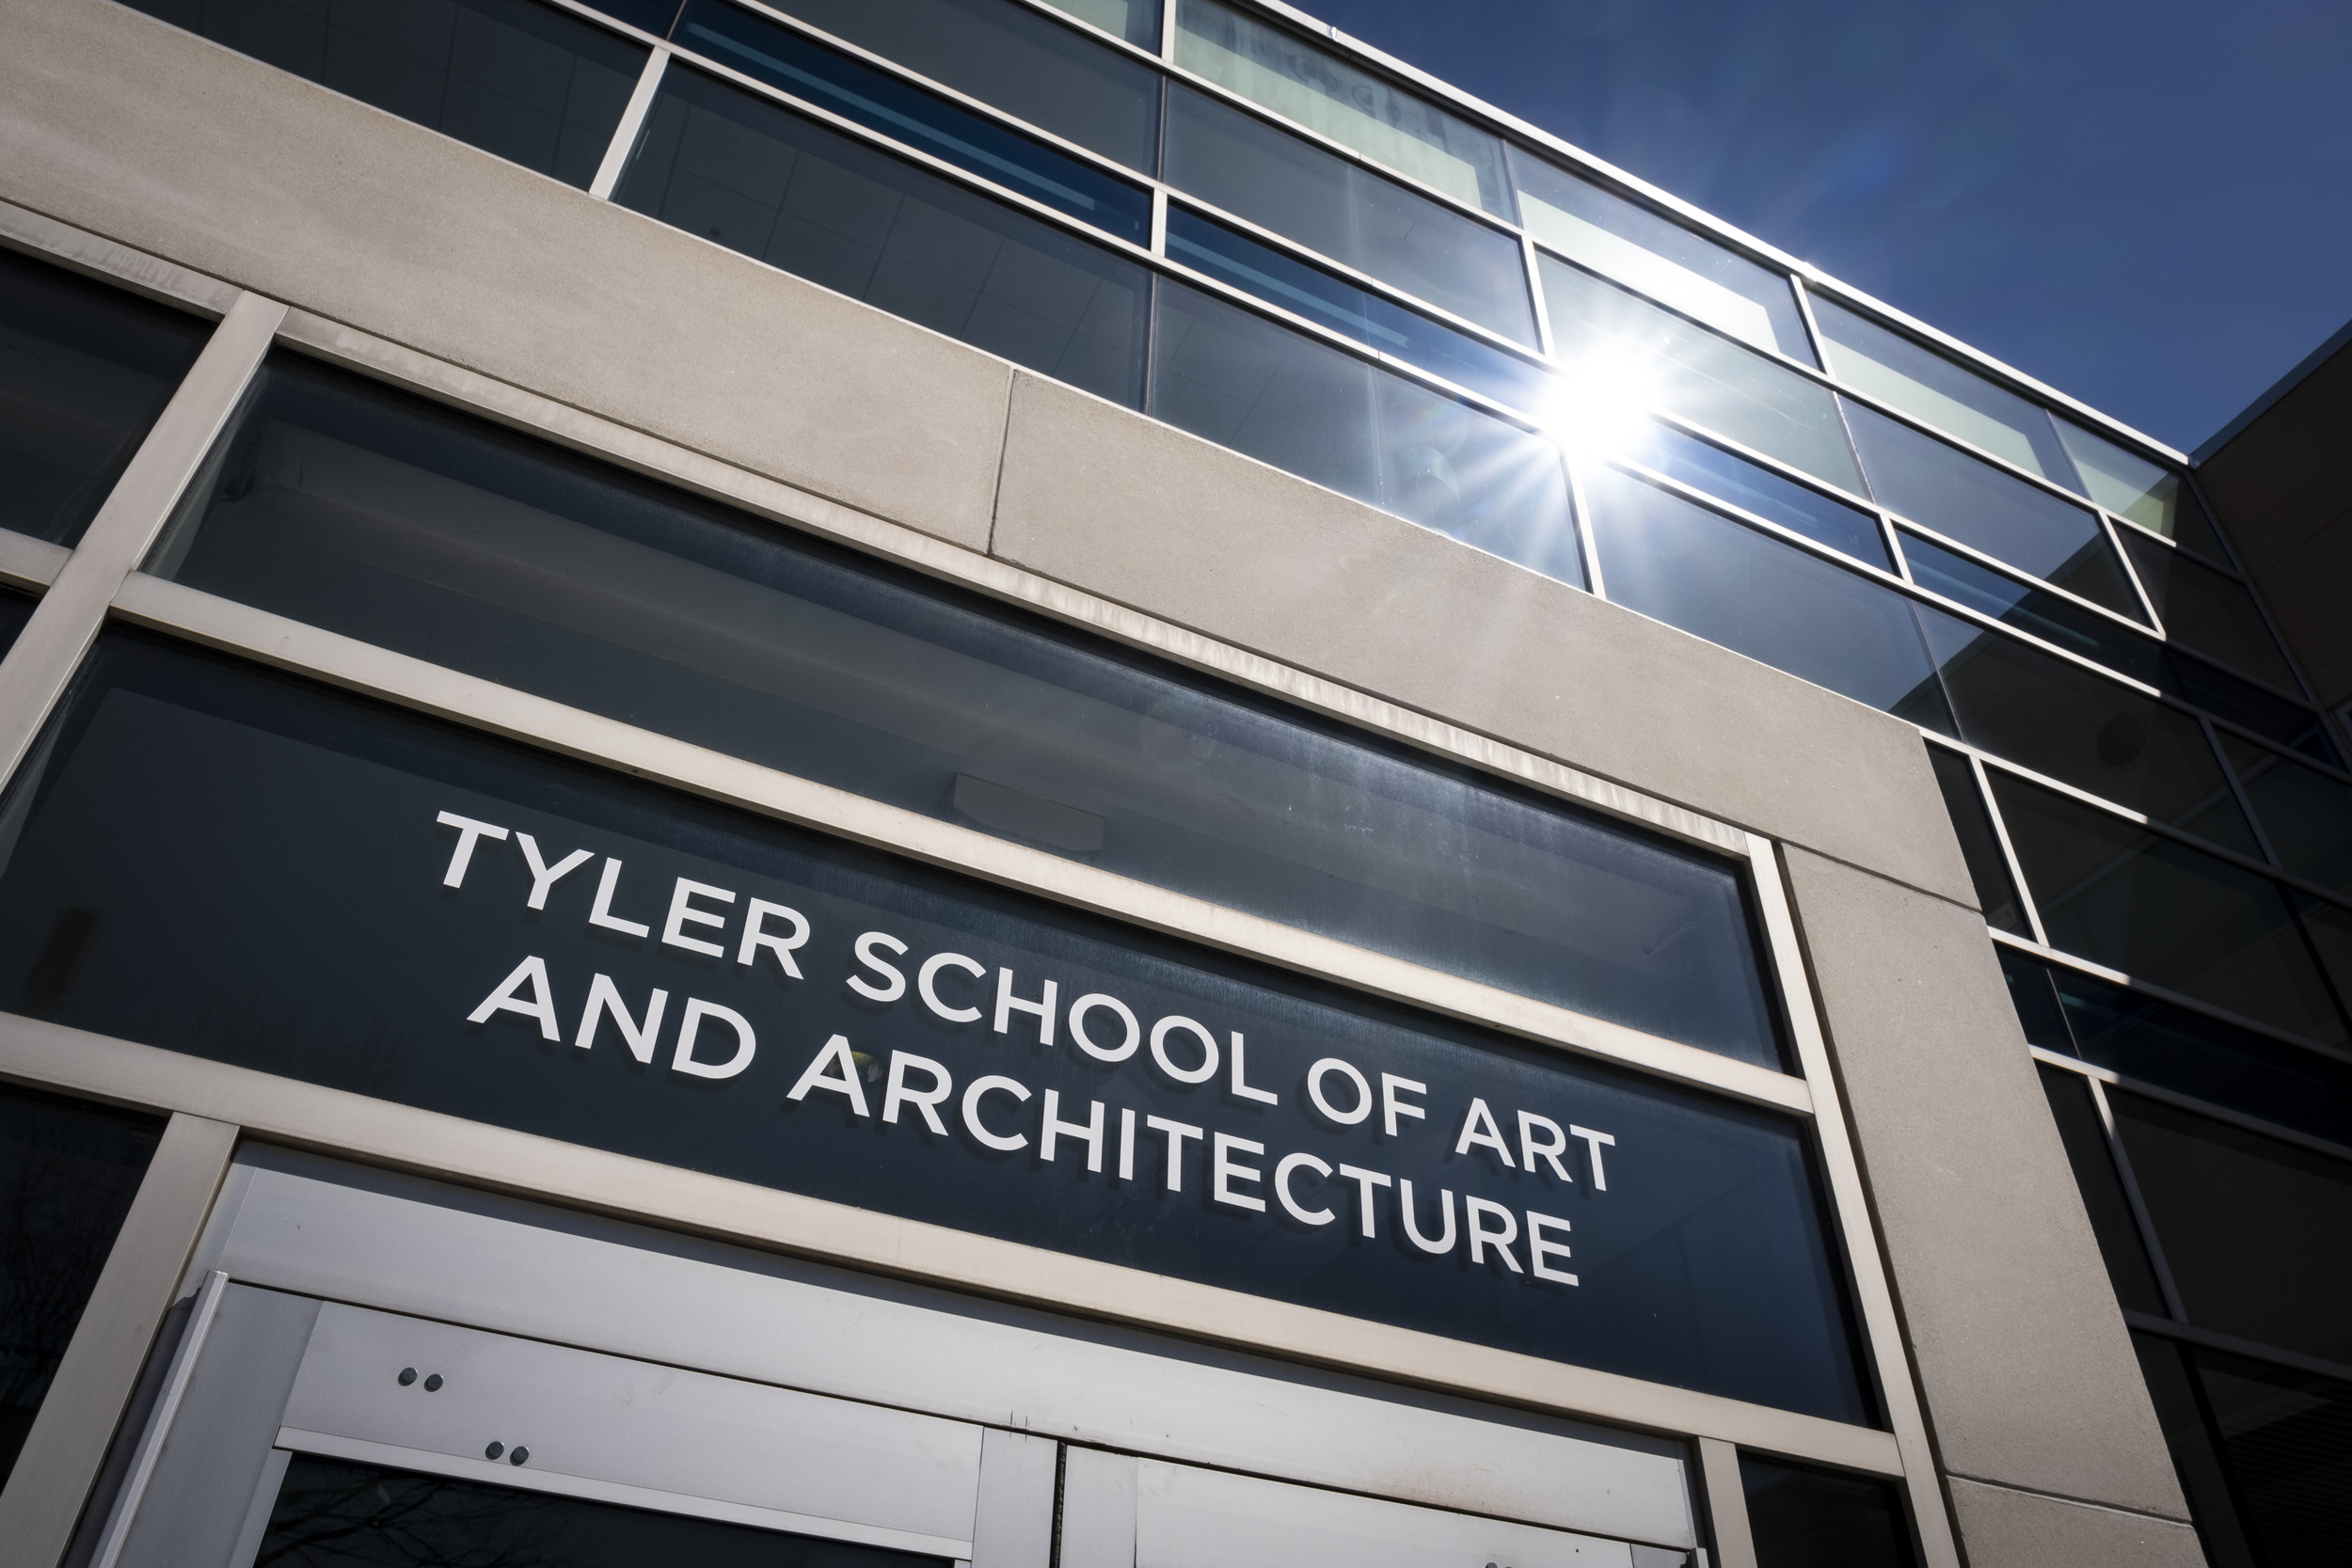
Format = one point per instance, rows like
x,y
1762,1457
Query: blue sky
x,y
2148,206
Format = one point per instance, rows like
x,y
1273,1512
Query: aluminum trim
x,y
1727,1503
23,230
632,128
150,1445
29,563
2152,1244
2129,982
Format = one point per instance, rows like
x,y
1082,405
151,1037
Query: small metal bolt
x,y
495,1450
519,1456
432,1383
407,1376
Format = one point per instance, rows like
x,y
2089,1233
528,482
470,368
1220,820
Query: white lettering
x,y
1177,1132
682,912
897,1094
507,999
1007,1005
543,876
470,833
833,1069
1241,1089
1592,1142
1476,1209
756,936
1290,1202
1126,1145
603,914
1202,1074
1478,1127
1095,1000
1412,1226
1323,1069
1089,1132
1555,1144
1391,1107
1366,1209
604,999
1225,1173
688,1027
896,986
927,976
971,1094
1539,1248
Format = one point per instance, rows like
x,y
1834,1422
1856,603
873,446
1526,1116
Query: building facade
x,y
1064,785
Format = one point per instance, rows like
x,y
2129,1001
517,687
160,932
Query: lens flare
x,y
1602,402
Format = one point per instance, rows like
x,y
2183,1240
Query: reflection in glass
x,y
926,121
1988,870
1622,353
2137,490
400,523
1801,1517
1753,487
1748,592
84,371
2204,611
2123,896
1137,21
333,1513
1233,160
1674,265
2286,1437
2110,1211
1373,318
524,81
2029,608
15,610
724,164
2241,701
2306,814
2195,1450
1312,87
2007,518
1926,385
68,1174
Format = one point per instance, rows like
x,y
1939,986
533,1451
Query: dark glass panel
x,y
1806,1518
731,166
1279,278
2208,612
2253,1228
2196,1452
15,610
400,522
923,121
1722,580
1988,870
1005,54
1752,487
1942,487
84,371
527,82
1233,160
1321,413
652,16
2101,1187
2081,728
2288,1438
2052,617
332,1513
2306,814
68,1174
2243,703
2031,993
2123,896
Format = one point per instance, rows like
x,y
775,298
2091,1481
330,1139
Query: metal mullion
x,y
606,21
29,563
2237,789
1588,541
1159,220
1727,1500
1544,342
1712,502
2261,607
2131,572
2009,848
1996,564
76,250
2189,1102
631,129
1779,467
2173,998
1812,326
2148,1238
1773,355
2224,725
1168,33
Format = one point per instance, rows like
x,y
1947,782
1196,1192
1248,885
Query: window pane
x,y
2195,1450
15,610
1924,385
2241,701
1279,278
1323,414
834,81
524,81
1722,580
1006,54
1233,160
1987,510
2306,814
1987,869
1672,265
2149,906
1807,1519
2137,490
2098,735
720,163
67,1172
84,371
2029,609
1137,21
1752,487
2207,612
400,523
2288,1438
1355,108
1624,354
2110,1211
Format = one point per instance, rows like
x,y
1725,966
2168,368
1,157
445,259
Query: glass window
x,y
2306,814
923,121
1279,278
1987,510
2123,896
730,167
1264,175
68,1174
1004,54
1926,385
2195,1450
1672,265
2208,612
1806,1518
84,371
2098,735
1395,129
2052,617
1323,414
1623,355
2241,701
1720,579
15,610
2252,1228
524,81
1753,487
2110,1211
397,521
1980,846
2287,1439
1137,21
2137,490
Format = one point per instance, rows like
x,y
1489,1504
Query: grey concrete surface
x,y
2001,1529
1186,531
2022,1355
149,135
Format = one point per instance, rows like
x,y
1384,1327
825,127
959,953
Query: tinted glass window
x,y
2306,814
1006,54
2052,617
1622,354
84,371
2110,1211
1262,174
2172,1387
67,1172
524,81
1722,580
2205,611
730,167
2137,490
1753,487
1924,385
2257,708
2286,1440
1137,21
1807,1519
1323,414
1988,871
396,521
15,610
1686,1235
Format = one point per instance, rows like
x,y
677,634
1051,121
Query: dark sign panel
x,y
219,861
